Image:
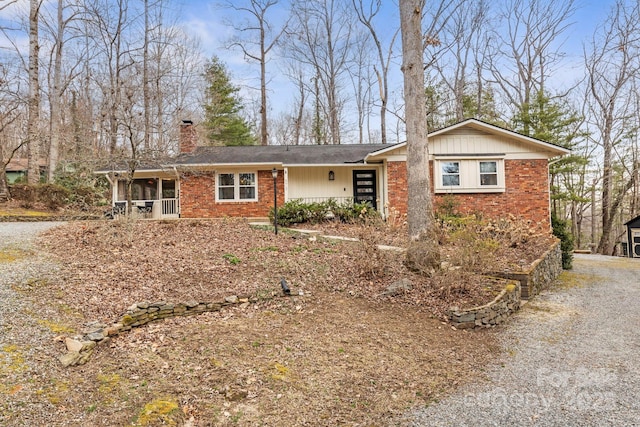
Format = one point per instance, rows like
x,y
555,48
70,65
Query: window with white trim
x,y
469,175
236,186
489,173
450,173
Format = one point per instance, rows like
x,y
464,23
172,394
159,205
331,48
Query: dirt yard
x,y
338,352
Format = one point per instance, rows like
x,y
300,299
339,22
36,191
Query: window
x,y
141,189
450,174
247,186
488,173
472,174
237,186
226,186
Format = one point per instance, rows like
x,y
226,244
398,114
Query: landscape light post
x,y
274,174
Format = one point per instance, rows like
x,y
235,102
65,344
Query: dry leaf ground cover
x,y
340,354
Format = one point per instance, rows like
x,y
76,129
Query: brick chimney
x,y
188,137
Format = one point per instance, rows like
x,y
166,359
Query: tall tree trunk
x,y
145,80
419,203
604,246
4,186
593,218
264,134
423,253
33,134
56,98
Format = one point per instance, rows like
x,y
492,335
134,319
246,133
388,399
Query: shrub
x,y
52,195
85,188
561,231
448,207
317,212
354,212
292,212
297,212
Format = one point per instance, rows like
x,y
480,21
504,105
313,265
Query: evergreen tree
x,y
555,122
222,108
486,110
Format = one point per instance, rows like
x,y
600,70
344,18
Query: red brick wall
x,y
526,195
188,137
198,197
397,185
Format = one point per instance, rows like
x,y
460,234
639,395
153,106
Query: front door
x,y
364,187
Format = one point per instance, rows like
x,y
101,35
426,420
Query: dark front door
x,y
364,187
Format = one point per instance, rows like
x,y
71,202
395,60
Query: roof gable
x,y
476,131
634,222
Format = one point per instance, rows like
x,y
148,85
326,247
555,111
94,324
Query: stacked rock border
x,y
492,314
80,348
520,285
540,275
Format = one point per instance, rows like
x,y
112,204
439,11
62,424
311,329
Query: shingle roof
x,y
279,154
20,164
120,166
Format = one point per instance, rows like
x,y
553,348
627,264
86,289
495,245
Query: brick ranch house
x,y
481,167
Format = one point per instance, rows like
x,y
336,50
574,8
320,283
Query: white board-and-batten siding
x,y
483,144
471,142
313,182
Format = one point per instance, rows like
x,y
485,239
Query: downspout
x,y
549,186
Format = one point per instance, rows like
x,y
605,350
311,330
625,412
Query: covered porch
x,y
154,194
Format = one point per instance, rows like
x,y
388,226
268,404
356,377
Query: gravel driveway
x,y
14,233
572,357
17,238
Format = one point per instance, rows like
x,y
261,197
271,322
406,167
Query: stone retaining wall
x,y
494,313
540,275
79,349
524,284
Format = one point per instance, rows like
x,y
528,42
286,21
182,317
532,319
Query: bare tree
x,y
321,39
264,37
11,111
33,131
296,119
362,82
464,35
146,96
528,49
612,64
110,25
58,81
367,10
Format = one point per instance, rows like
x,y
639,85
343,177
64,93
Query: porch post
x,y
274,174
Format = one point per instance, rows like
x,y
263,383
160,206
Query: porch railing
x,y
145,207
169,206
339,200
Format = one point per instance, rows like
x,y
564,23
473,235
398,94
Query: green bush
x,y
298,212
292,212
354,212
85,188
562,232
